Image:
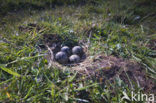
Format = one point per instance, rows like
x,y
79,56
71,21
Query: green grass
x,y
24,72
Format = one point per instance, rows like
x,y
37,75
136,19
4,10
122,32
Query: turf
x,y
120,28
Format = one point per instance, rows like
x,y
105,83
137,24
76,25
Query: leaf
x,y
9,96
10,72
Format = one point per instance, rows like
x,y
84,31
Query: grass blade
x,y
10,72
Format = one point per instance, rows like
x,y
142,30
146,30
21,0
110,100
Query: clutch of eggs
x,y
66,55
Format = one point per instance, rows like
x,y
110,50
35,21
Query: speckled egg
x,y
66,49
74,58
77,50
61,57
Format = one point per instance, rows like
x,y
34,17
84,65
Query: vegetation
x,y
122,28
